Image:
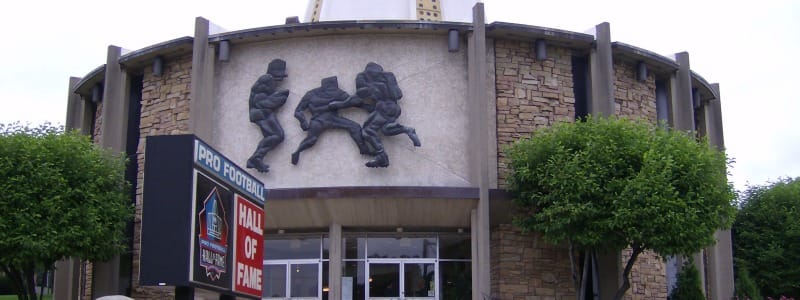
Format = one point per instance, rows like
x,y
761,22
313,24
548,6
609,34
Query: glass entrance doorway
x,y
402,279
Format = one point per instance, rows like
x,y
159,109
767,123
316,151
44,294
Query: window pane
x,y
419,280
325,246
299,248
304,280
274,281
354,278
384,280
354,247
401,247
325,277
455,247
455,277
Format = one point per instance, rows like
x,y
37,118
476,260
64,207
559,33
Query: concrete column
x,y
74,106
105,275
479,108
65,282
713,114
115,104
682,116
601,73
720,256
335,263
473,223
202,93
609,265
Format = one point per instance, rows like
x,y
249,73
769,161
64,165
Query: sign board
x,y
202,220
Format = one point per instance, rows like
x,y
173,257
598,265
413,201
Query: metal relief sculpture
x,y
264,100
325,116
382,88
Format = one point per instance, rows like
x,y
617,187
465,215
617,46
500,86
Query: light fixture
x,y
399,229
158,66
541,49
641,71
292,20
325,289
97,93
461,230
452,40
224,51
280,231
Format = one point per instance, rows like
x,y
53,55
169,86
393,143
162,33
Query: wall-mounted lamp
x,y
541,49
641,71
292,20
158,66
696,100
452,40
224,51
97,93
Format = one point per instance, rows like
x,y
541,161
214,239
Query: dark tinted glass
x,y
305,280
401,247
454,247
354,279
455,278
418,280
274,281
354,247
384,280
292,248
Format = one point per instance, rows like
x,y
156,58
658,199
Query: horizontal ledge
x,y
373,192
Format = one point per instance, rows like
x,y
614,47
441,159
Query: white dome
x,y
427,10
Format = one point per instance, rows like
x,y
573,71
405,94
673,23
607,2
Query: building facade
x,y
422,213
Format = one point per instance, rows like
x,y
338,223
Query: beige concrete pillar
x,y
479,144
682,117
601,72
67,271
720,256
114,133
74,106
202,91
335,262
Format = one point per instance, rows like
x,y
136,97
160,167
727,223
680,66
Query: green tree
x,y
688,285
609,183
746,288
60,196
766,237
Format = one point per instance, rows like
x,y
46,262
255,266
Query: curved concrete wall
x,y
434,84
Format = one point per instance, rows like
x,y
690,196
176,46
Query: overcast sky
x,y
749,47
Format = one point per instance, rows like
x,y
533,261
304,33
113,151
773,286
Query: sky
x,y
749,47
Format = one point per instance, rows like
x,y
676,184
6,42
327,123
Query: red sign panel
x,y
249,247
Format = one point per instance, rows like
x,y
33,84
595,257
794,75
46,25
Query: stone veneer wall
x,y
648,276
526,267
165,111
530,94
634,99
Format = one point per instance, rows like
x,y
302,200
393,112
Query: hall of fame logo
x,y
213,236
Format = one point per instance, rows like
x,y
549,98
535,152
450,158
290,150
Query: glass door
x,y
402,279
292,280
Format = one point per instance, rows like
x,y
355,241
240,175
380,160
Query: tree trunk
x,y
576,280
626,282
17,282
30,278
